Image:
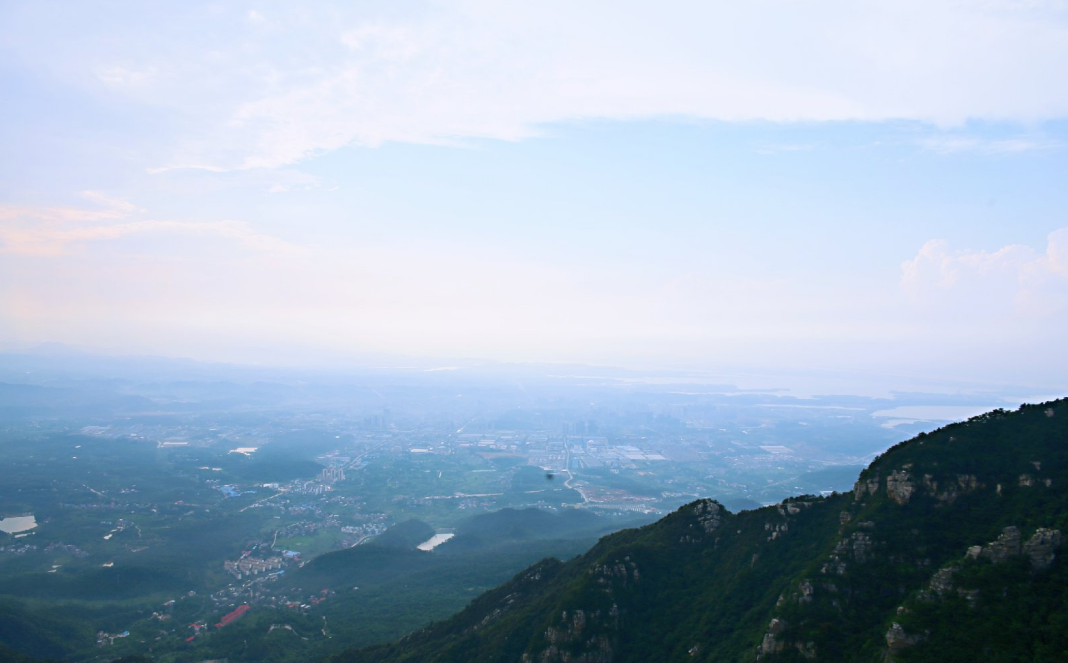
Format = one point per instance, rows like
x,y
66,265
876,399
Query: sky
x,y
878,187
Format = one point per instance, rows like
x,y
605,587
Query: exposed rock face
x,y
620,573
1007,545
942,581
870,487
579,621
967,482
859,544
899,487
771,643
951,490
1041,547
897,639
941,584
709,514
599,650
563,638
835,565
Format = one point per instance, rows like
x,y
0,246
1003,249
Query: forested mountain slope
x,y
947,549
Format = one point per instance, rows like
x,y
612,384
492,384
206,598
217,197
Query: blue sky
x,y
875,187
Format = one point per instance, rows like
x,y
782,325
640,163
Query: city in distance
x,y
185,510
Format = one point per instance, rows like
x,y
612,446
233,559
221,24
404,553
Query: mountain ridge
x,y
961,518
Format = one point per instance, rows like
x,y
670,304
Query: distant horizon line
x,y
729,378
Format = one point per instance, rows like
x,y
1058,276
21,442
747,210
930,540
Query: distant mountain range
x,y
948,549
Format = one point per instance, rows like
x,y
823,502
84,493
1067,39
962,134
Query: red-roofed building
x,y
229,617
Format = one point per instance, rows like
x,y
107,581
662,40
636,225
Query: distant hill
x,y
949,548
407,535
25,401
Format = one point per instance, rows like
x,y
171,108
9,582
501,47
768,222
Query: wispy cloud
x,y
125,76
956,144
156,170
52,231
106,207
251,97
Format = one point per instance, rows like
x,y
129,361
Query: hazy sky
x,y
875,186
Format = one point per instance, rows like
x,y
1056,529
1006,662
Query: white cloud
x,y
488,73
1016,280
328,76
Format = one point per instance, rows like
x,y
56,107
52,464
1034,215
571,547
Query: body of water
x,y
936,412
435,541
16,524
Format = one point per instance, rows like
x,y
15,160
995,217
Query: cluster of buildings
x,y
251,566
20,549
198,627
333,474
313,600
308,487
103,638
65,548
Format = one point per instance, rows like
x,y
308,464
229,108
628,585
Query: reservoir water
x,y
935,412
16,524
435,541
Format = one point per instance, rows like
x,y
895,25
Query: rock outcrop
x,y
899,487
1006,545
1042,547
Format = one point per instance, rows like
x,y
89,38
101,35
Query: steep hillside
x,y
947,549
